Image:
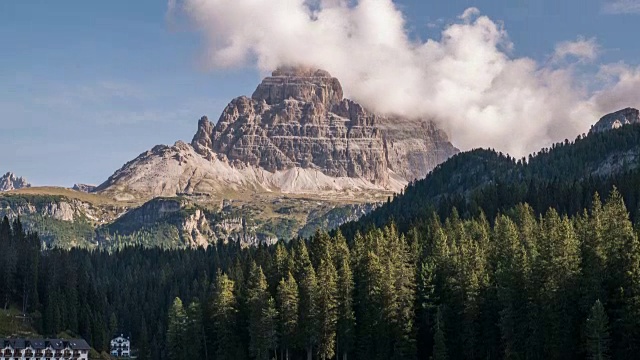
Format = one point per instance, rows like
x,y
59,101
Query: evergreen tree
x,y
176,331
282,264
269,326
367,296
223,312
400,300
308,308
194,331
113,324
346,317
288,313
327,303
511,272
144,351
439,339
623,276
262,323
556,270
597,332
590,228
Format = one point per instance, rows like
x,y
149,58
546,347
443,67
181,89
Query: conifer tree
x,y
193,331
327,304
282,263
261,318
402,284
269,326
439,339
224,312
308,308
556,269
288,313
346,317
144,351
511,269
623,276
597,333
320,247
176,331
593,250
367,297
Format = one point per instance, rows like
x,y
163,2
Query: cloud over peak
x,y
466,80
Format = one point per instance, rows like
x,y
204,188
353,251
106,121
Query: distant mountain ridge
x,y
617,119
10,181
564,177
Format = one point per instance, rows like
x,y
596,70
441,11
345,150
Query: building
x,y
121,347
44,349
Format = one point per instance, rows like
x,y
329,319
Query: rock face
x,y
84,188
57,210
295,134
11,182
616,120
299,118
178,169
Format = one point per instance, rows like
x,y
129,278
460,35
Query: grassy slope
x,y
271,213
95,199
11,325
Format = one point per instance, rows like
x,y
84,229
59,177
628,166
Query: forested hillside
x,y
518,286
563,177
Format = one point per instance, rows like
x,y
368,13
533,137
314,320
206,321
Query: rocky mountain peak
x,y
299,83
11,182
298,118
297,134
616,120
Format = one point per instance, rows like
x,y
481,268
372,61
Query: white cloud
x,y
467,80
469,14
621,87
622,7
581,49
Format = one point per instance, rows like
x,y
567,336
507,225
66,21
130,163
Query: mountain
x,y
563,177
294,157
9,182
617,119
295,134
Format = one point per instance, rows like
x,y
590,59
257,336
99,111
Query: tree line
x,y
564,177
521,286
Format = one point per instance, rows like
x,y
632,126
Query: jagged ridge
x,y
9,182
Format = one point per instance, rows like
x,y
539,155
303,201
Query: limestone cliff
x,y
298,118
10,182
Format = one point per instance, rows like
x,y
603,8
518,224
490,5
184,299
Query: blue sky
x,y
86,86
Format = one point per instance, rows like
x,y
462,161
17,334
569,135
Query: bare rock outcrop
x,y
616,120
84,188
10,182
298,118
295,134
